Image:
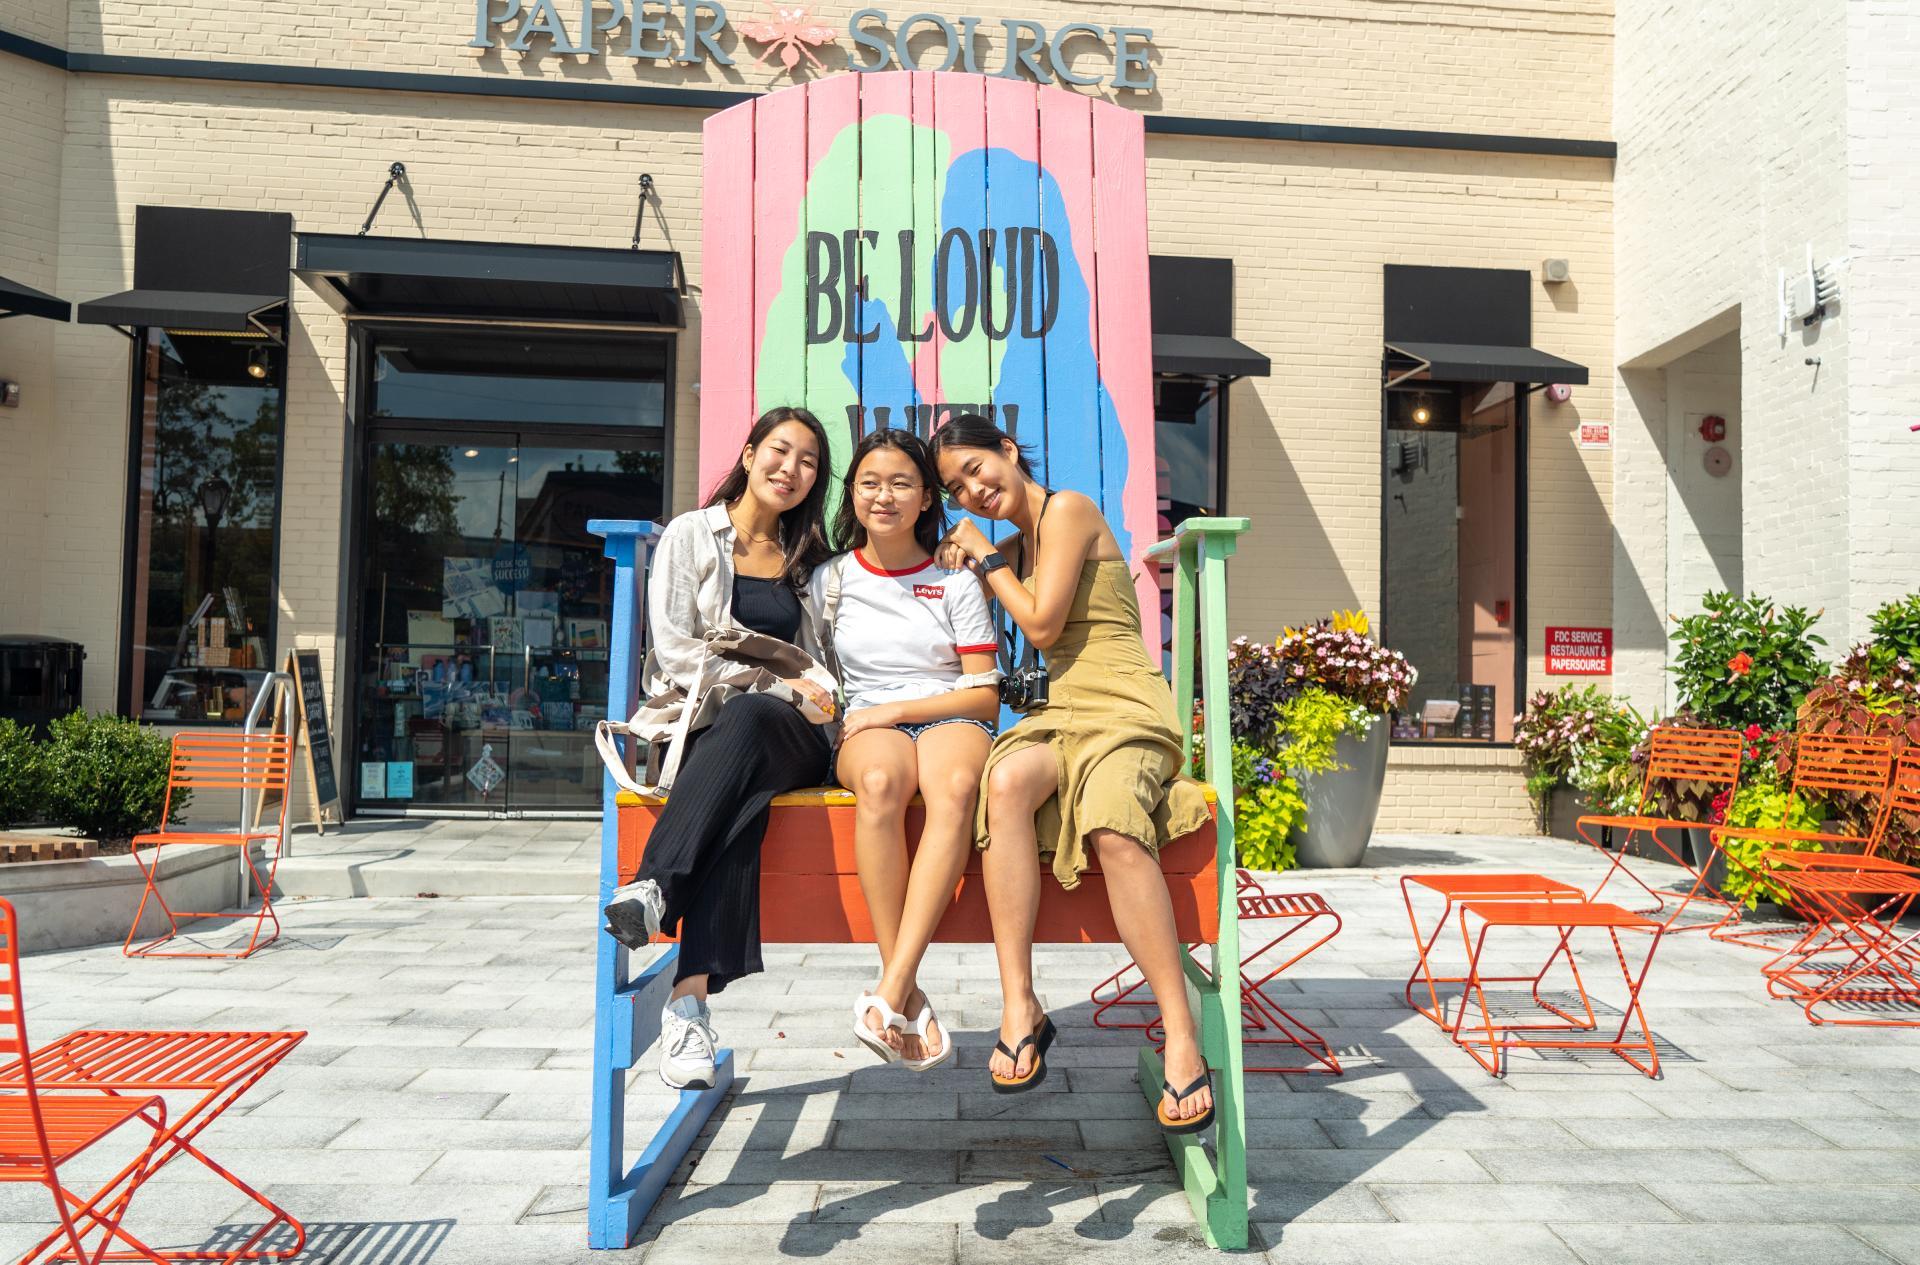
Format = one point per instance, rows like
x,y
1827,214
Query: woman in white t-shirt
x,y
916,655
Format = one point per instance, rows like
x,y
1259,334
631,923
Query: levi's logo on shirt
x,y
932,592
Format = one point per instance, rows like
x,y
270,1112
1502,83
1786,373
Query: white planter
x,y
1342,805
70,904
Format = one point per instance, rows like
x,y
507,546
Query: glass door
x,y
485,606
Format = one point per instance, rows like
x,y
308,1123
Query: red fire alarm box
x,y
1713,428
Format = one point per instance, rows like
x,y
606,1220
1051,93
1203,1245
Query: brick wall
x,y
32,100
1455,790
1883,278
1731,126
1309,228
1536,68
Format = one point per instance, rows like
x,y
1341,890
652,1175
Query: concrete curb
x,y
70,904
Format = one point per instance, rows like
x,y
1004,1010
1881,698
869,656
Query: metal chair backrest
x,y
13,1025
1848,765
1838,764
256,763
1691,755
1902,798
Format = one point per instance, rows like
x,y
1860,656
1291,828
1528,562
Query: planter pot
x,y
1565,807
91,900
1342,805
1700,852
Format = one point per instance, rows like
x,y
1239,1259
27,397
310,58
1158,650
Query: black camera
x,y
1025,689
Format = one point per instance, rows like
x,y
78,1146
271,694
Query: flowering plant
x,y
1744,661
1873,692
1335,655
1268,802
1578,736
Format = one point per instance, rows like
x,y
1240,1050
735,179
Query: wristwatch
x,y
991,562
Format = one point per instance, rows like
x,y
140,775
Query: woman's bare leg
x,y
950,759
878,766
1010,873
1143,911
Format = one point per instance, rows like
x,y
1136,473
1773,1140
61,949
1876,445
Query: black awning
x,y
1483,362
1207,356
399,276
20,300
182,309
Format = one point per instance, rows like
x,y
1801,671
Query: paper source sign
x,y
1580,651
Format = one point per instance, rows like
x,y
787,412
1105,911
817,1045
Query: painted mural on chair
x,y
891,249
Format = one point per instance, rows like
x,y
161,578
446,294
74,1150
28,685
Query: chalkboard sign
x,y
312,695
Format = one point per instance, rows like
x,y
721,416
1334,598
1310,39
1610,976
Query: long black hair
x,y
805,525
970,430
932,524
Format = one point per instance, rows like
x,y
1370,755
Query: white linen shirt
x,y
690,590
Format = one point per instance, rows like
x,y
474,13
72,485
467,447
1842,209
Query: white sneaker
x,y
635,913
686,1045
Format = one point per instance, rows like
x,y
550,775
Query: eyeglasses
x,y
869,489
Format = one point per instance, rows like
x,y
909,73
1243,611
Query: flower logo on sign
x,y
789,33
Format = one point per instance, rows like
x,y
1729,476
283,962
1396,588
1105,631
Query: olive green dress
x,y
1111,723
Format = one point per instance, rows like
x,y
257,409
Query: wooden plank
x,y
1222,1221
778,247
727,273
887,396
1066,216
832,199
1125,343
810,890
22,848
965,367
1016,354
648,1178
931,153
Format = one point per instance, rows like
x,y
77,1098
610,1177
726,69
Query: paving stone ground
x,y
438,1112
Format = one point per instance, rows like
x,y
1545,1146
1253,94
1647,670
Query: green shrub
x,y
19,775
1744,660
1763,805
1267,802
106,776
1896,630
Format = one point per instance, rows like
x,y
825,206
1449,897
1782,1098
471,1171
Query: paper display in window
x,y
467,589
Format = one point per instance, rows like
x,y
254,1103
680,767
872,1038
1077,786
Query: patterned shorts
x,y
914,731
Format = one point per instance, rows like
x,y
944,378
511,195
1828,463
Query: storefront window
x,y
1452,531
206,508
1189,449
485,605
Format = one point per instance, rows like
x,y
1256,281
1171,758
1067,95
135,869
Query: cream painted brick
x,y
1309,228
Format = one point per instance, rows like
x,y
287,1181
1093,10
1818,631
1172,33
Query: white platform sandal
x,y
889,1018
919,1025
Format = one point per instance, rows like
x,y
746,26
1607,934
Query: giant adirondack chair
x,y
889,249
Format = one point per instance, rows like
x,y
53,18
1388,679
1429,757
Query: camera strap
x,y
1009,631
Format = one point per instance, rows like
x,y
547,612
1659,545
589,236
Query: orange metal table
x,y
220,1067
1453,888
1566,918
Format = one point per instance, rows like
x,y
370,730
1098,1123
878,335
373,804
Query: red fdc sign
x,y
1580,651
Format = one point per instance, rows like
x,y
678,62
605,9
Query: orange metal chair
x,y
1677,759
256,763
1855,952
40,1132
1496,1036
1454,888
1264,1022
1823,764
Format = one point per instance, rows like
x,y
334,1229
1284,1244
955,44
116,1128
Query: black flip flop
x,y
1041,1040
1192,1124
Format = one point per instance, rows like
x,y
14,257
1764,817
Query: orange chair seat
x,y
1635,822
1782,836
73,1124
810,885
203,836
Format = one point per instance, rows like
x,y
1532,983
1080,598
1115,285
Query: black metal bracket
x,y
395,174
640,211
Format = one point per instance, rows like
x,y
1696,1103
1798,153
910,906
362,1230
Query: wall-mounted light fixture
x,y
257,363
1422,409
